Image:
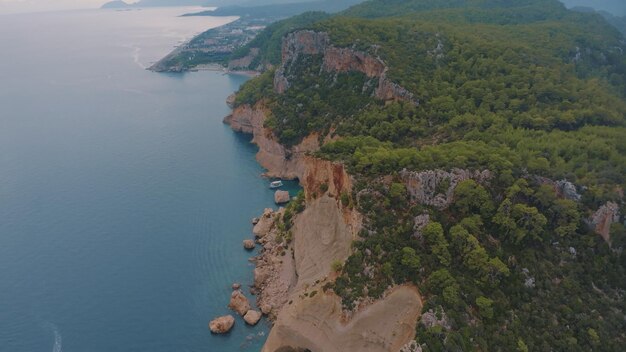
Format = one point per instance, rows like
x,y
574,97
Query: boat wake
x,y
58,342
135,56
58,339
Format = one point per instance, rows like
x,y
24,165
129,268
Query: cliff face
x,y
603,218
278,160
311,318
290,277
244,62
336,60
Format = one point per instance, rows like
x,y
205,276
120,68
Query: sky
x,y
11,6
617,7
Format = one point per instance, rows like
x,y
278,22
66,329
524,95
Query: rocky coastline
x,y
289,276
291,273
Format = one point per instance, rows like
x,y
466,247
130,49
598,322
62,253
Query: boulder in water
x,y
239,303
222,325
252,317
281,197
248,244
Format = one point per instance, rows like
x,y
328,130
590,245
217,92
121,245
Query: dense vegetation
x,y
519,88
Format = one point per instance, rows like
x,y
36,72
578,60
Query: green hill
x,y
528,90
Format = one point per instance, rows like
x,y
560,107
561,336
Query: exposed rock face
x,y
603,218
244,62
279,161
563,188
222,325
275,274
420,222
265,223
336,60
248,244
316,323
246,119
321,237
239,303
431,319
281,197
424,186
567,190
412,346
252,317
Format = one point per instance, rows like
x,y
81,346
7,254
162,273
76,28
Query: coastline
x,y
291,272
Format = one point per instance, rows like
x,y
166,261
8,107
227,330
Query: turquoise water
x,y
123,198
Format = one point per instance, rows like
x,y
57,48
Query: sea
x,y
124,199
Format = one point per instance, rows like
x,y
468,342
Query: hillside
x,y
486,143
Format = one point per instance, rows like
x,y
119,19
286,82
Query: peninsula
x,y
463,166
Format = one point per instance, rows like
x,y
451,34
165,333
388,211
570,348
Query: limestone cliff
x,y
336,60
290,277
287,274
278,160
603,218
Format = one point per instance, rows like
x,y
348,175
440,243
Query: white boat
x,y
276,184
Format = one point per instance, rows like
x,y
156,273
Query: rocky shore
x,y
289,276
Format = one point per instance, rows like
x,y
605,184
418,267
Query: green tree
x,y
472,198
485,307
433,233
410,260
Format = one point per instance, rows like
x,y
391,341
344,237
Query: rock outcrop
x,y
252,317
265,223
603,218
248,244
562,188
222,325
239,303
321,237
279,161
567,190
244,62
436,187
281,197
316,323
275,272
336,60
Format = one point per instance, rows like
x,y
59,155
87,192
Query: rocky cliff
x,y
436,187
290,277
603,218
288,274
336,60
278,160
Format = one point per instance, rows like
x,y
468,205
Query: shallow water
x,y
124,200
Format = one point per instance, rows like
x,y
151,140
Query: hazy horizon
x,y
616,7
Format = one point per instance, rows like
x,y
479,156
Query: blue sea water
x,y
124,200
